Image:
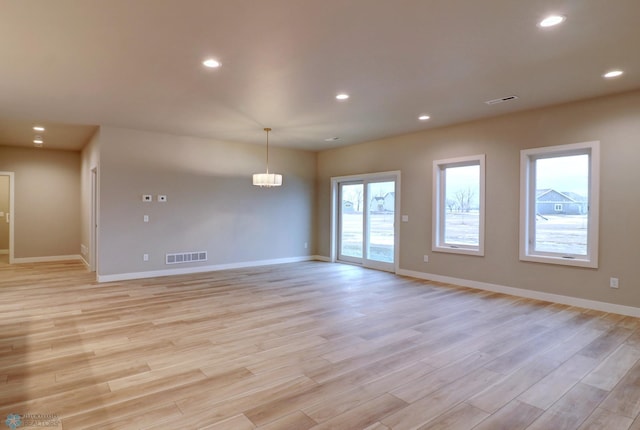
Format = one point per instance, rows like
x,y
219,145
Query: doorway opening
x,y
364,221
7,193
93,239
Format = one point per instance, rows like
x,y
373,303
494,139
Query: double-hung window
x,y
458,205
559,204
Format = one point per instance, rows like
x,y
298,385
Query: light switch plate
x,y
162,198
147,198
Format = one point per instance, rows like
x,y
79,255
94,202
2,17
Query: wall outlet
x,y
145,257
145,218
405,218
613,282
147,198
426,258
306,245
162,198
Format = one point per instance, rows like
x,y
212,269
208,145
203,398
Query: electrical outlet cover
x,y
147,198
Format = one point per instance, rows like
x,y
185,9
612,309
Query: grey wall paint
x,y
211,206
47,200
4,207
614,121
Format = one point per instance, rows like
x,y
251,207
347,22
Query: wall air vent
x,y
501,100
186,257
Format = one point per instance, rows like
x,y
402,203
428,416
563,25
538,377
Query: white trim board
x,y
12,213
200,269
49,259
529,294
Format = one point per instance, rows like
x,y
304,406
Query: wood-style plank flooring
x,y
306,346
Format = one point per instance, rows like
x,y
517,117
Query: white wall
x,y
211,206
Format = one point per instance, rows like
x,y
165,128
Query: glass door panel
x,y
351,222
381,221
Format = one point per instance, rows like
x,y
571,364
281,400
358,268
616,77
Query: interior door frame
x,y
12,217
93,234
366,178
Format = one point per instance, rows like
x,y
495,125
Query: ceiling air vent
x,y
501,100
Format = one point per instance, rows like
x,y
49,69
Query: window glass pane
x,y
462,205
382,201
562,204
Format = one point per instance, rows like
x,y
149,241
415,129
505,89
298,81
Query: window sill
x,y
459,250
575,262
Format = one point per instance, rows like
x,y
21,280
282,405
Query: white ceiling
x,y
137,64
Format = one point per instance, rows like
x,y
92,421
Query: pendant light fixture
x,y
267,179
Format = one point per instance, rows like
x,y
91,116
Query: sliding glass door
x,y
366,221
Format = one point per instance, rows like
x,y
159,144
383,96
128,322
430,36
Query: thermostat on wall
x,y
147,198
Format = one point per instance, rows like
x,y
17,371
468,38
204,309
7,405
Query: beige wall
x,y
614,121
4,208
90,159
211,206
47,201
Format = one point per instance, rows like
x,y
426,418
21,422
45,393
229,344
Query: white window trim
x,y
527,200
439,206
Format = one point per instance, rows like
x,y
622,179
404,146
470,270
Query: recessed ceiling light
x,y
38,140
38,128
211,63
552,20
424,117
613,74
342,96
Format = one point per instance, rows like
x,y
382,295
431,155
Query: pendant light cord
x,y
267,130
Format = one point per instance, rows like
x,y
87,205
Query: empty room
x,y
340,214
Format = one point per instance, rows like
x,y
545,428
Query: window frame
x,y
439,205
528,204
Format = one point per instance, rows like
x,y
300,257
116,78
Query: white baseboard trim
x,y
49,259
200,269
529,294
84,261
4,251
322,258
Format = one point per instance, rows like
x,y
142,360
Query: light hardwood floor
x,y
309,345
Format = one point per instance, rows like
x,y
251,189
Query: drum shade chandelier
x,y
267,179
